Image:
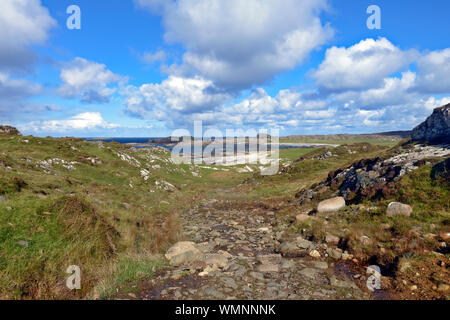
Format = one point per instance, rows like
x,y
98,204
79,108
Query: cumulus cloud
x,y
434,70
13,97
23,23
361,66
174,97
88,81
80,122
394,91
237,44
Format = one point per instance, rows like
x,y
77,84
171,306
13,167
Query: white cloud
x,y
174,96
23,23
80,122
361,66
153,57
237,44
14,94
394,91
16,89
434,71
87,80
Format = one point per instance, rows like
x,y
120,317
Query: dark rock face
x,y
9,130
436,128
376,178
441,171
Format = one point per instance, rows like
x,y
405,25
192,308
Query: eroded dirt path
x,y
240,259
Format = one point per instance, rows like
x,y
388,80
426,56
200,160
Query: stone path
x,y
236,254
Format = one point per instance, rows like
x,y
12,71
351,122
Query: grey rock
x,y
304,244
291,250
441,170
331,205
397,208
335,254
22,243
436,127
9,130
331,239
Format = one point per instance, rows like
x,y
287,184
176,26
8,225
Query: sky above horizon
x,y
144,68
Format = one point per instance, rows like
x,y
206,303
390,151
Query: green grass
x,y
382,142
294,154
127,274
115,212
107,219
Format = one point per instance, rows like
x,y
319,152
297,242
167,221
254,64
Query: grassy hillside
x,y
112,210
104,207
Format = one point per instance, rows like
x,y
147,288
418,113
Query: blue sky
x,y
148,67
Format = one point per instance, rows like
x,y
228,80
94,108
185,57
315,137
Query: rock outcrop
x,y
9,130
436,129
372,178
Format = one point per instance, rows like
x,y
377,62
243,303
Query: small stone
x,y
413,288
346,256
365,240
23,243
445,236
314,254
335,254
331,239
9,208
291,250
126,205
443,287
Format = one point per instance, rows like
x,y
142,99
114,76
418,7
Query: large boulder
x,y
436,127
397,208
9,130
182,252
441,171
331,205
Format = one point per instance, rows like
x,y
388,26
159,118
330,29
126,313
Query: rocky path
x,y
236,253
